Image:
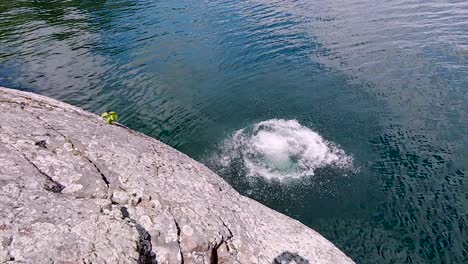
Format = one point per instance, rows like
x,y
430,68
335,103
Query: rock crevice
x,y
50,184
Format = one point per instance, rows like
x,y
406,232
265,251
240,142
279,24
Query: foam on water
x,y
280,149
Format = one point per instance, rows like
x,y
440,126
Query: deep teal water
x,y
385,81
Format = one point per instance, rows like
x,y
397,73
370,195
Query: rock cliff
x,y
74,189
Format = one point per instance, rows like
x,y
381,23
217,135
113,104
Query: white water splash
x,y
280,149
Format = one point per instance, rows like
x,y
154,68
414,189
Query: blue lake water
x,y
350,116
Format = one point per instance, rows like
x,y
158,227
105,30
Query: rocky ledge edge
x,y
75,189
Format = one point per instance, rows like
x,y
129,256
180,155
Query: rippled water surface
x,y
382,85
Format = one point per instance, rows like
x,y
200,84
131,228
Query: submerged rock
x,y
74,189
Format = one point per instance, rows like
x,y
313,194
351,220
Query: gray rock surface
x,y
74,189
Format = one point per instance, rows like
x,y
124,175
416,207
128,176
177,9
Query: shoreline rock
x,y
75,189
